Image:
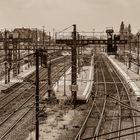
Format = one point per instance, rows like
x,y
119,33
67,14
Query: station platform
x,y
84,82
62,88
25,71
131,78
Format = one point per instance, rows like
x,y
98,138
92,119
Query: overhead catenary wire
x,y
65,29
125,105
27,106
137,126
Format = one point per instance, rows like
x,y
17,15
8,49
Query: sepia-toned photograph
x,y
69,70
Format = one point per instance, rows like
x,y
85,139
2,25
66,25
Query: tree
x,y
122,27
129,29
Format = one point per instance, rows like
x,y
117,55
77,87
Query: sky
x,y
59,14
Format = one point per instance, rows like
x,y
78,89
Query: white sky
x,y
58,14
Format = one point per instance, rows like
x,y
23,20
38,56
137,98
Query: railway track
x,y
107,117
23,102
126,116
97,108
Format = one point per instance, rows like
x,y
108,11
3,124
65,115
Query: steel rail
x,y
104,105
16,91
137,126
31,76
79,134
130,101
8,131
25,113
18,107
119,98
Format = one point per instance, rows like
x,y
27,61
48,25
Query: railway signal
x,y
111,49
44,59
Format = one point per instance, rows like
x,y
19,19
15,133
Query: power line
x,y
65,29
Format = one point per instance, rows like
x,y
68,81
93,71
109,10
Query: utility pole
x,y
37,88
74,87
124,51
64,75
78,51
19,58
10,63
53,35
43,38
37,94
36,42
124,55
130,56
49,80
43,42
28,56
15,57
82,37
49,38
49,41
8,59
5,47
138,34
